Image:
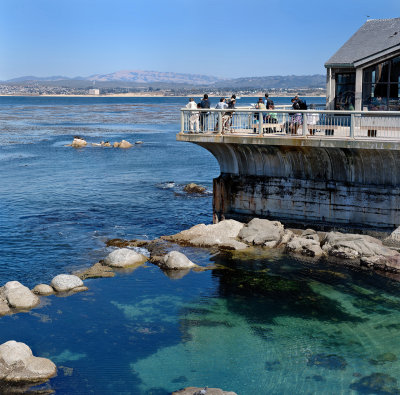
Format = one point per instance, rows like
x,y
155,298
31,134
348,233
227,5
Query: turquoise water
x,y
263,324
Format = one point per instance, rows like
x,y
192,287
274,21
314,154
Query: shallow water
x,y
266,324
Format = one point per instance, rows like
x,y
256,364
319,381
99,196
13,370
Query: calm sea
x,y
267,324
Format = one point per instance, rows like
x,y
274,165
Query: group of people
x,y
198,119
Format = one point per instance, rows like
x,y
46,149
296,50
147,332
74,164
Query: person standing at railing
x,y
229,114
259,106
194,116
271,117
221,106
267,101
205,103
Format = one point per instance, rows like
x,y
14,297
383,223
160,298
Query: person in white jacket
x,y
194,117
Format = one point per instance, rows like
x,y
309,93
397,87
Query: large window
x,y
381,86
345,87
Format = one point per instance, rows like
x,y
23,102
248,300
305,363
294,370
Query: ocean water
x,y
262,323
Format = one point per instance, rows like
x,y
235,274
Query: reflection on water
x,y
258,323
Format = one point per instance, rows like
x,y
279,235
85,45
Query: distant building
x,y
94,91
364,74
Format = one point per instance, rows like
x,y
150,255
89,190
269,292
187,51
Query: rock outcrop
x,y
175,260
98,270
222,235
124,257
304,246
194,188
352,246
262,232
18,365
19,297
78,142
125,144
66,282
201,391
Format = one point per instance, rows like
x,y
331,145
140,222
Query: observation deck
x,y
312,167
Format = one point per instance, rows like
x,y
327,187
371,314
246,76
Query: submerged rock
x,y
43,289
194,188
222,235
98,270
175,260
331,361
376,383
262,232
383,358
66,282
124,257
17,364
176,274
20,297
206,391
78,142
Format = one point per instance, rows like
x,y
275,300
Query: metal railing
x,y
313,123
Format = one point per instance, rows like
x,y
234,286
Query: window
x,y
381,86
345,88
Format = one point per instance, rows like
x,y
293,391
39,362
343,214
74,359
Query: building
x,y
94,91
364,74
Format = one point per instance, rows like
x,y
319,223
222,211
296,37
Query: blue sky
x,y
235,38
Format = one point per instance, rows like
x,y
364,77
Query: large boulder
x,y
262,232
194,188
78,142
222,235
18,365
201,391
20,297
175,260
124,257
125,144
66,282
352,246
303,246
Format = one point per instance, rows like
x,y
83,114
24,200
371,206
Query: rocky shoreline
x,y
229,235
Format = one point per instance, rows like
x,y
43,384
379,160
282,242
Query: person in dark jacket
x,y
205,103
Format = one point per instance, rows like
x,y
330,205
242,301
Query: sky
x,y
225,38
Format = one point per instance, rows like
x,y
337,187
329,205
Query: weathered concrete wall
x,y
351,184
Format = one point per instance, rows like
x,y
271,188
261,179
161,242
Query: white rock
x,y
287,236
310,234
43,289
124,257
222,235
175,260
66,282
19,296
78,143
17,364
262,232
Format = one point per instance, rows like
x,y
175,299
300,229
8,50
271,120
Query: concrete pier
x,y
309,181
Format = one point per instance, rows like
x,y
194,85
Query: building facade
x,y
364,74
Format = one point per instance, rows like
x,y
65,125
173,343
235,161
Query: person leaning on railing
x,y
259,106
220,106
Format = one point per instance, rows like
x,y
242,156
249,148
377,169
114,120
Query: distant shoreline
x,y
152,95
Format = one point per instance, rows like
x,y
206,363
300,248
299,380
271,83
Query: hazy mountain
x,y
169,80
33,78
276,82
141,76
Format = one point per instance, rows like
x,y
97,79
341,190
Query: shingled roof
x,y
375,36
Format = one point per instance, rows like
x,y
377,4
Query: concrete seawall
x,y
346,182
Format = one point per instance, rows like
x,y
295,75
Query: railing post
x,y
352,119
260,123
304,124
182,122
219,122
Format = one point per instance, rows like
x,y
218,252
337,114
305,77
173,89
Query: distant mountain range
x,y
139,78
